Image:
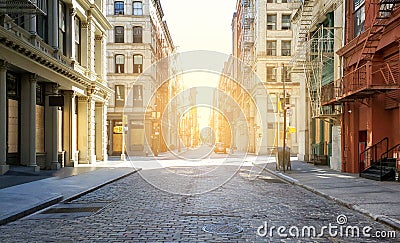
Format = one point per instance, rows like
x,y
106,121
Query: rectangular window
x,y
271,1
77,39
61,27
41,27
119,63
286,48
285,21
271,125
271,106
271,21
137,8
137,34
137,64
119,95
271,74
284,1
359,16
271,48
39,94
118,7
137,96
119,34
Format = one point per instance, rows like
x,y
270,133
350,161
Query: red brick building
x,y
370,87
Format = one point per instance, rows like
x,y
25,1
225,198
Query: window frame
x,y
289,49
62,27
283,27
272,25
137,67
137,11
358,8
137,91
119,95
137,38
78,37
118,37
119,12
119,67
270,74
271,51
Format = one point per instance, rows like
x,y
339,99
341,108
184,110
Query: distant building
x,y
53,88
138,51
262,37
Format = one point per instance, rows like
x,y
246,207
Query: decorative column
x,y
32,125
99,55
32,24
83,129
91,45
101,131
69,129
84,44
3,118
51,124
91,130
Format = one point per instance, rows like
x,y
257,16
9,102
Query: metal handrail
x,y
372,149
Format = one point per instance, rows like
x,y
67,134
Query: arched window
x,y
137,63
118,7
137,8
119,34
119,63
137,34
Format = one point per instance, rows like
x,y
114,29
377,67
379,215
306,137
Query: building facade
x,y
318,26
262,37
370,85
53,84
139,53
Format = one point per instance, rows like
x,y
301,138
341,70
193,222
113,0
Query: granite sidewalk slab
x,y
24,199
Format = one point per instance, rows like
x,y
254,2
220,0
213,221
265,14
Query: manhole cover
x,y
222,228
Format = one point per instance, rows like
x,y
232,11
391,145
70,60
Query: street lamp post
x,y
284,116
156,132
124,129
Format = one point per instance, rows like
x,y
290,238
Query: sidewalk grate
x,y
69,211
222,228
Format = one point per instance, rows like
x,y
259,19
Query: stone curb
x,y
80,194
54,200
395,224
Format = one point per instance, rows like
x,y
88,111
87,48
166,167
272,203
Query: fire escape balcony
x,y
24,6
366,81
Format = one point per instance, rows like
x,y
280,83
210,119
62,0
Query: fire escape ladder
x,y
374,35
248,42
304,15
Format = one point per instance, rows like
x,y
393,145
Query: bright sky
x,y
200,25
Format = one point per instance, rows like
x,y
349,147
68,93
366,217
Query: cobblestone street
x,y
134,210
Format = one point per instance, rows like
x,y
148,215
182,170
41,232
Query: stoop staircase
x,y
379,168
